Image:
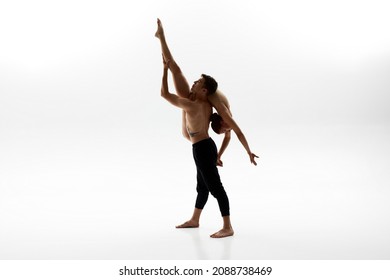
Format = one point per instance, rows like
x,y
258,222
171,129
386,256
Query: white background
x,y
92,162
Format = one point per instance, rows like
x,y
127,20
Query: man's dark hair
x,y
210,84
216,122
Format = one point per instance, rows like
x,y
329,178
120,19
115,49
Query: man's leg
x,y
207,158
194,221
227,229
180,82
201,200
214,184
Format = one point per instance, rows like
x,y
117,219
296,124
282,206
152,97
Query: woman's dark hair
x,y
216,122
210,84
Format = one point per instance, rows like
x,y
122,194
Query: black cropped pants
x,y
208,180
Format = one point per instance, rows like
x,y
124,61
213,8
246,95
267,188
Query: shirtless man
x,y
196,116
217,99
218,125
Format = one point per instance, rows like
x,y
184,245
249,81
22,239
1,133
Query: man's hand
x,y
252,157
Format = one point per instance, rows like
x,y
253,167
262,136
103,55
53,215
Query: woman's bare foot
x,y
225,232
160,30
189,224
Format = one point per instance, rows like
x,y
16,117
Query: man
x,y
217,99
197,112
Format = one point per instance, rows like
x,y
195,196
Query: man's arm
x,y
175,100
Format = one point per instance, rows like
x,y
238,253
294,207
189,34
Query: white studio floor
x,y
317,193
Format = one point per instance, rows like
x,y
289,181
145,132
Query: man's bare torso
x,y
198,119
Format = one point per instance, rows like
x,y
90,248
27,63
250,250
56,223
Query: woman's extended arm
x,y
223,112
223,147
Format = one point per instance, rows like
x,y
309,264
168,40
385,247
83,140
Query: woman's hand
x,y
252,157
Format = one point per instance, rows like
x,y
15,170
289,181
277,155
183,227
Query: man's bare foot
x,y
225,232
189,224
160,30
